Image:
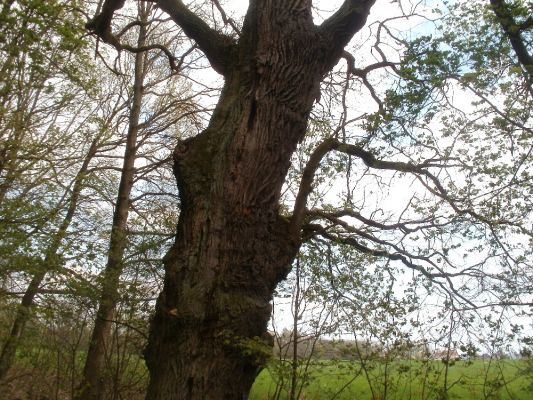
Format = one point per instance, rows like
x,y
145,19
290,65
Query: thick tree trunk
x,y
232,245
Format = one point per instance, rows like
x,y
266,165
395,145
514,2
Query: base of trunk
x,y
209,359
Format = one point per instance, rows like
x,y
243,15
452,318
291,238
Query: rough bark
x,y
50,263
91,387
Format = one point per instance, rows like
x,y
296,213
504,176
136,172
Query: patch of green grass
x,y
403,380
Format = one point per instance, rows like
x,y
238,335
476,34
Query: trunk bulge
x,y
207,339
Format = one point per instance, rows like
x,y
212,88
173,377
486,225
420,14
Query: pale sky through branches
x,y
394,200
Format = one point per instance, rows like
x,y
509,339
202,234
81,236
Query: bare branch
x,y
217,47
101,23
419,170
171,59
227,21
403,227
433,277
306,185
129,326
4,292
362,73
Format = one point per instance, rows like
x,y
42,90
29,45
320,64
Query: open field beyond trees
x,y
406,380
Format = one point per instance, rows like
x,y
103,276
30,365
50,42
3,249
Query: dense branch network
x,y
216,46
219,48
337,225
369,159
336,31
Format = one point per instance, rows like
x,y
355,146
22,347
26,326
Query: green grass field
x,y
405,380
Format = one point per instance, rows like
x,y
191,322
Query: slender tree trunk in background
x,y
295,336
91,387
50,262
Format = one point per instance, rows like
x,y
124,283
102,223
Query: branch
x,y
339,29
352,242
101,23
171,58
433,277
129,326
403,227
217,47
225,19
306,184
397,249
512,31
4,292
420,170
362,73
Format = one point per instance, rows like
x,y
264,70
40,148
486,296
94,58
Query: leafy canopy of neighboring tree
x,y
61,140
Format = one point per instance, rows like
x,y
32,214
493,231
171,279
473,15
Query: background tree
x,y
65,170
142,154
46,101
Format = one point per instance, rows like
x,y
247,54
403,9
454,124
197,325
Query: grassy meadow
x,y
405,380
